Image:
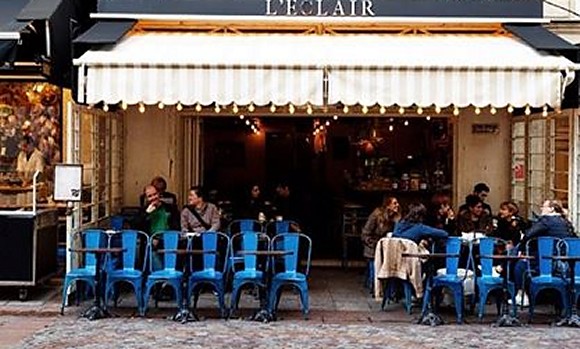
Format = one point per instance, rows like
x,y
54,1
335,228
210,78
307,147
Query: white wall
x,y
483,157
553,12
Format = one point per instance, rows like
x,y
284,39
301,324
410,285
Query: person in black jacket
x,y
508,225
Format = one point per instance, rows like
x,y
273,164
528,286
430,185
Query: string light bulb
x,y
365,109
345,109
477,111
198,107
335,117
545,111
291,109
272,108
401,110
309,109
406,123
251,108
455,111
242,116
492,110
106,108
391,128
141,108
510,109
382,109
528,111
179,106
161,105
235,108
428,118
124,105
217,108
248,122
437,109
419,110
327,123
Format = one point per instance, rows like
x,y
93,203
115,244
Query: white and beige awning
x,y
365,69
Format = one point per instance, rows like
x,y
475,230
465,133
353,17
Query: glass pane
x,y
518,129
537,128
537,162
518,145
537,145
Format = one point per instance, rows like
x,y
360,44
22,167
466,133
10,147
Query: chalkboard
x,y
67,182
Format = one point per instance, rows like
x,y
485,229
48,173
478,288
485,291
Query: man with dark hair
x,y
198,215
29,160
482,191
475,218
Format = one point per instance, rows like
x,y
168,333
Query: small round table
x,y
429,316
572,319
506,319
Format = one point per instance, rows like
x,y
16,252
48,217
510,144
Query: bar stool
x,y
352,221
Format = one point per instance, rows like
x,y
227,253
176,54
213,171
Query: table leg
x,y
506,319
429,317
97,311
572,319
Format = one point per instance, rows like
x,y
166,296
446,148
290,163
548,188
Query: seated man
x,y
480,190
475,218
198,215
161,185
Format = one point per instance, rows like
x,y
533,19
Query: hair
x,y
387,200
417,213
199,191
559,208
27,139
480,187
510,206
161,181
472,200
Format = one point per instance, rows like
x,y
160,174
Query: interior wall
x,y
151,149
483,157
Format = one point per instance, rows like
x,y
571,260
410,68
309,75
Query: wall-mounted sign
x,y
519,173
67,182
485,128
329,8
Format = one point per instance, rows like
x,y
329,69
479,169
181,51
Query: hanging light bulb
x,y
345,109
406,123
90,106
161,105
428,118
309,109
492,110
391,128
141,108
437,109
455,111
419,110
251,108
545,111
510,109
327,123
335,117
242,116
198,107
124,105
401,110
272,108
248,122
258,132
382,109
365,109
528,111
291,108
179,107
321,127
235,108
477,111
106,108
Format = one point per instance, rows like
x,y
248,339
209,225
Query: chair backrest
x,y
573,249
92,238
170,241
282,227
487,247
217,244
292,242
117,222
130,240
546,247
452,246
248,241
240,225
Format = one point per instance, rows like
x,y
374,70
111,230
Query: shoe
x,y
522,301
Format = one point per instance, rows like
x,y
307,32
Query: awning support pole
x,y
325,87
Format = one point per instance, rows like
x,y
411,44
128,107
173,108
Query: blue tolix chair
x,y
573,249
214,258
91,238
281,227
248,269
167,272
128,272
290,274
547,246
240,225
487,282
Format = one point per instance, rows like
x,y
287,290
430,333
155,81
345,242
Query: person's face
x,y
504,212
483,195
152,195
255,191
193,199
393,206
546,208
477,209
25,147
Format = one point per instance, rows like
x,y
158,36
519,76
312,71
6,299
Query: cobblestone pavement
x,y
160,333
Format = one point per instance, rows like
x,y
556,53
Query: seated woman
x,y
411,227
508,225
475,218
552,222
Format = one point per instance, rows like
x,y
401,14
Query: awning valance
x,y
366,69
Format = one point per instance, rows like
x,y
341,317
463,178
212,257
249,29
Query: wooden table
x,y
428,315
98,310
572,319
506,319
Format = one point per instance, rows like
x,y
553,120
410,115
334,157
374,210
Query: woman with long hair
x,y
412,227
381,221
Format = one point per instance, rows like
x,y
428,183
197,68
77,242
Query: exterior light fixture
x,y
272,108
391,128
179,107
510,109
528,111
106,108
335,117
248,122
455,111
419,110
401,110
217,108
477,111
365,109
406,123
309,109
161,105
327,123
242,116
345,109
437,109
428,118
291,109
198,107
235,108
251,108
124,105
382,109
141,108
545,111
492,110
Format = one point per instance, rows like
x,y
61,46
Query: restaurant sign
x,y
329,8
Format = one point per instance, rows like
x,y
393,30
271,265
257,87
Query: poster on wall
x,y
67,182
519,173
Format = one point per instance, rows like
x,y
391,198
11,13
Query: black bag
x,y
193,211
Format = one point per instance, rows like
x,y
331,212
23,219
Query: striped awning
x,y
365,69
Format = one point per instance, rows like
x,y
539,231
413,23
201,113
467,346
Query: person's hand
x,y
450,213
498,269
150,208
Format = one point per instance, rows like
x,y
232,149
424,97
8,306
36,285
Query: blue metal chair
x,y
128,271
290,275
451,279
240,225
546,279
282,227
91,238
117,222
486,282
216,246
573,249
246,267
168,272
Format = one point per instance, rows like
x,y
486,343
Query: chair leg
x,y
304,301
407,289
221,299
458,295
146,295
64,294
